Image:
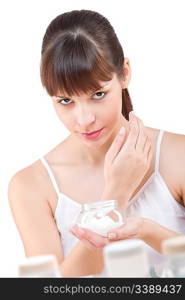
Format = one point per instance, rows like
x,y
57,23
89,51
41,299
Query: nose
x,y
84,117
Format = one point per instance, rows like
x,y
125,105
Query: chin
x,y
97,143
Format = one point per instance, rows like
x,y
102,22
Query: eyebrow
x,y
101,87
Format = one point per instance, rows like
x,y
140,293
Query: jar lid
x,y
100,204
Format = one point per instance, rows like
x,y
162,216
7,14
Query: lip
x,y
93,134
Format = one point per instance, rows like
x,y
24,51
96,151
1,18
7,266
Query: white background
x,y
152,35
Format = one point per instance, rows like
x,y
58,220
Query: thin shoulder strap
x,y
158,147
50,172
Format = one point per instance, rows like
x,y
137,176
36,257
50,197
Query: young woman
x,y
84,70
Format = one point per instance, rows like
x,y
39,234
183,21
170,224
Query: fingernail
x,y
112,235
122,131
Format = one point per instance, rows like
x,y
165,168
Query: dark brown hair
x,y
80,48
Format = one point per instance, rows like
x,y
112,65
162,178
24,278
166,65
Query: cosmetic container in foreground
x,y
174,251
39,266
126,258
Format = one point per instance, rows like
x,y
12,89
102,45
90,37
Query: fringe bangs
x,y
74,65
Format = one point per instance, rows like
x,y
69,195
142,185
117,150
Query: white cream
x,y
101,226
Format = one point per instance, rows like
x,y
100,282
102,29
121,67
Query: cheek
x,y
64,117
113,108
67,120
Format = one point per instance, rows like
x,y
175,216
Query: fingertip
x,y
122,131
131,115
71,229
74,227
73,232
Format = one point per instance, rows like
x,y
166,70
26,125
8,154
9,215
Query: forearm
x,y
154,234
82,262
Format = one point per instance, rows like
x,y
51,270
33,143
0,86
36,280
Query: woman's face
x,y
91,112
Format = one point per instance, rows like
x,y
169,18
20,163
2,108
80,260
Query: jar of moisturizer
x,y
100,217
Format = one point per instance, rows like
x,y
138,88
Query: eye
x,y
99,95
64,103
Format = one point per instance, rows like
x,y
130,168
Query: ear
x,y
126,73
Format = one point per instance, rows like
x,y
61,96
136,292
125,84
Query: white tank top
x,y
153,201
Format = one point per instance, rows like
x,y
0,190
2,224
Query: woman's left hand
x,y
90,239
132,228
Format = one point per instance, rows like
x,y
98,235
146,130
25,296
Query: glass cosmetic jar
x,y
100,217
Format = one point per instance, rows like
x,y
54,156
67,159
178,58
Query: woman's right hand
x,y
126,162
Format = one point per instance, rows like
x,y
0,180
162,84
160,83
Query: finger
x,y
131,115
148,149
79,233
86,234
94,238
131,141
116,145
74,229
150,154
120,233
142,137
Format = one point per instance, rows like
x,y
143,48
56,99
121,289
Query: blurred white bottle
x,y
174,250
126,258
39,266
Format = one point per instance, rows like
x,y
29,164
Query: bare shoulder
x,y
174,147
176,138
26,187
27,177
173,160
